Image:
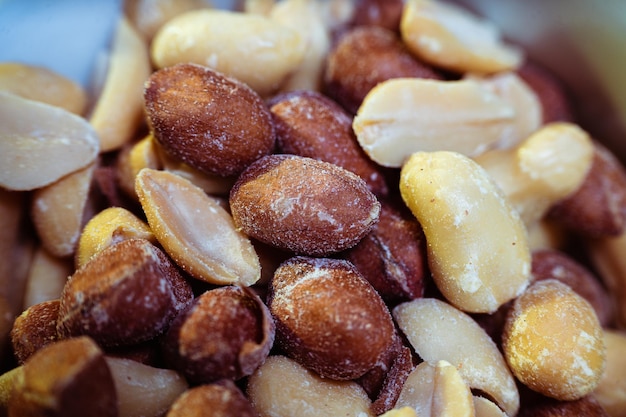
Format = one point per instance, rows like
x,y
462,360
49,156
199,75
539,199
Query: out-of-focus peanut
x,y
542,170
476,241
281,388
405,115
46,277
250,47
118,112
42,84
453,38
611,391
439,331
195,230
40,143
58,211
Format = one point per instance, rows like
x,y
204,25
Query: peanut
x,y
611,390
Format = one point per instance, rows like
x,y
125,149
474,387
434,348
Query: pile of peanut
x,y
308,208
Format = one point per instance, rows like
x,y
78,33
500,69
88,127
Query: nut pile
x,y
300,207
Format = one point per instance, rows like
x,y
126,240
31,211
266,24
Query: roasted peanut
x,y
611,390
402,116
477,247
553,342
35,133
35,328
134,157
46,277
607,258
223,398
451,37
195,230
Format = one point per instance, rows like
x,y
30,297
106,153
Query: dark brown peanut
x,y
364,57
126,294
324,311
549,263
35,328
585,407
598,208
222,398
392,257
225,334
310,124
303,205
215,124
67,378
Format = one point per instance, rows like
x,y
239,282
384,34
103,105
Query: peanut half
x,y
451,37
195,230
40,143
477,243
404,115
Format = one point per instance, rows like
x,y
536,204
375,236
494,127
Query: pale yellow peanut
x,y
477,243
305,17
195,230
46,277
281,387
607,256
40,143
58,211
405,115
486,408
515,92
438,331
401,412
108,227
546,234
611,391
453,38
42,84
144,390
436,390
553,341
545,168
119,109
133,158
249,47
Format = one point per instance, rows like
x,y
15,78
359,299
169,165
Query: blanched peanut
x,y
195,230
478,252
42,84
514,91
607,256
553,341
41,143
404,115
545,168
58,210
439,331
437,391
119,109
144,390
451,37
306,18
282,388
108,227
251,48
133,158
611,391
46,277
485,408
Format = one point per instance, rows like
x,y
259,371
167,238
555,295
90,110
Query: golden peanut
x,y
195,230
401,412
453,38
281,388
437,391
404,115
40,143
46,277
108,227
119,110
477,244
611,391
248,47
133,158
553,341
58,211
437,331
41,84
514,91
545,168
